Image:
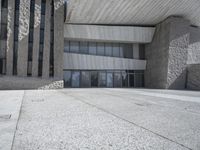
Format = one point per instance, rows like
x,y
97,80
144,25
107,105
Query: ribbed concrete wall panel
x,y
10,37
47,34
109,33
23,37
36,37
89,62
58,38
137,12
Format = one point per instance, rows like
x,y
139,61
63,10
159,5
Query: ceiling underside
x,y
131,12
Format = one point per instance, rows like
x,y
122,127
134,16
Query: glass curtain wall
x,y
103,79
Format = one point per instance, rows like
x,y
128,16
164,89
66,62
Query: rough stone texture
x,y
194,46
24,17
17,83
58,38
36,38
10,37
47,33
109,119
167,55
193,77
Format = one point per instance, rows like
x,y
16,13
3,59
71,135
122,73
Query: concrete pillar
x,y
58,38
36,38
167,55
10,37
47,34
22,58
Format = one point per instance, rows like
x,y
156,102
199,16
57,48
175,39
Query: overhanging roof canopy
x,y
131,12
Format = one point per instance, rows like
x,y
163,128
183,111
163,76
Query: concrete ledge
x,y
25,83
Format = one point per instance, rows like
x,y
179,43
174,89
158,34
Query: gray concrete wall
x,y
193,77
90,62
22,83
10,37
126,34
36,37
167,55
58,38
194,46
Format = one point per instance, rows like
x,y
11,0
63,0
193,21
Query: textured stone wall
x,y
193,77
157,58
23,83
167,55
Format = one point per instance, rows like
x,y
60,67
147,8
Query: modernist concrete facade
x,y
99,43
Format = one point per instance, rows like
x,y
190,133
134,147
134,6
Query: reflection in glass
x,y
84,47
67,78
85,79
75,79
117,79
109,80
66,46
74,47
116,50
108,49
124,79
131,80
94,79
102,79
100,49
92,48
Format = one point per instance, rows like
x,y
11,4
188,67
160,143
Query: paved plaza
x,y
100,119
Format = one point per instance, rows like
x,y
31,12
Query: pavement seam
x,y
92,105
20,111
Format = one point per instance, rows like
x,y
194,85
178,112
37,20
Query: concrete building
x,y
99,43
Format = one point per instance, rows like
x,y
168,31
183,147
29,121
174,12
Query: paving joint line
x,y
20,112
92,105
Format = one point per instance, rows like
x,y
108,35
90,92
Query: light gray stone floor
x,y
110,119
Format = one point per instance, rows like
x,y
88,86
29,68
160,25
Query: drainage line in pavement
x,y
18,121
78,99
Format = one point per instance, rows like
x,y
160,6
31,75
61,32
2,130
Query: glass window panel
x,y
84,47
124,79
66,48
108,49
102,79
67,78
131,80
121,51
127,50
92,48
142,51
85,79
117,79
100,49
76,79
116,50
138,80
74,47
109,80
94,79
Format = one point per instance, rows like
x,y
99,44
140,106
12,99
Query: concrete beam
x,y
123,34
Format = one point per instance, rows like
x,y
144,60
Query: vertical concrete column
x,y
10,37
167,55
36,37
58,38
24,17
47,34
